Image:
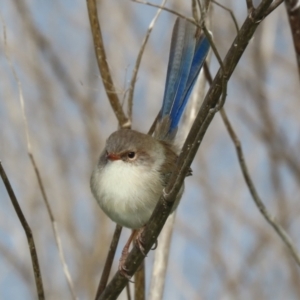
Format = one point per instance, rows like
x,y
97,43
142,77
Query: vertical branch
x,y
28,232
161,257
103,66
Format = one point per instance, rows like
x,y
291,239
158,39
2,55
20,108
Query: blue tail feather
x,y
187,55
173,66
185,66
198,60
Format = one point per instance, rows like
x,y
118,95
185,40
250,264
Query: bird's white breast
x,y
127,192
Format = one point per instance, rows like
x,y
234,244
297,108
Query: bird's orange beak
x,y
112,156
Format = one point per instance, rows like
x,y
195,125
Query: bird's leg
x,y
124,255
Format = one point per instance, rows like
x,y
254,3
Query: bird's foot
x,y
139,241
122,269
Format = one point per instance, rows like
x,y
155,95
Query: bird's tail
x,y
187,54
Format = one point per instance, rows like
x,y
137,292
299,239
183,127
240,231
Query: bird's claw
x,y
140,243
123,270
154,245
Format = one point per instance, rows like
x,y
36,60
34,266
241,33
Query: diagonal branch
x,y
109,260
28,232
273,6
230,12
262,208
103,66
192,143
260,205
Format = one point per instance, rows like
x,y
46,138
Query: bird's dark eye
x,y
131,155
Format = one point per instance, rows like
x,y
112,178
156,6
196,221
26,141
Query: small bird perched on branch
x,y
134,167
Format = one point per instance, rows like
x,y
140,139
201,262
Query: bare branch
x,y
138,61
109,260
103,66
36,170
230,12
195,11
174,12
270,219
27,229
262,208
208,36
159,270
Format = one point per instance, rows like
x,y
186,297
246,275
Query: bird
x,y
134,167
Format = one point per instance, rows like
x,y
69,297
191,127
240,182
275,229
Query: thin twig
x,y
109,261
202,25
195,11
138,61
215,51
191,145
208,36
28,232
230,12
103,66
172,11
36,170
152,128
262,208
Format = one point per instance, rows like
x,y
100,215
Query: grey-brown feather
x,y
154,163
